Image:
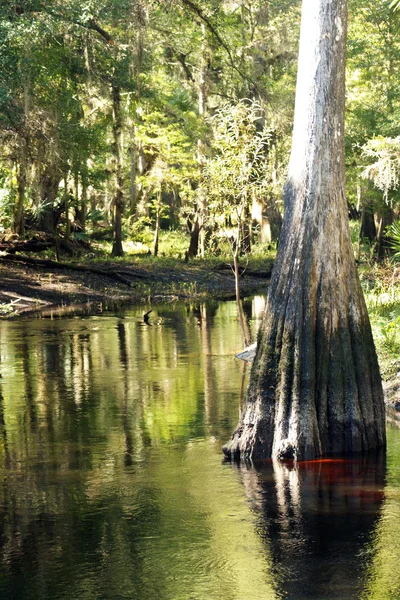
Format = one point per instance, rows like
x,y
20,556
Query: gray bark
x,y
315,386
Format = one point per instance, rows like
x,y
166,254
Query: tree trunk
x,y
84,198
242,322
19,221
49,183
117,249
197,233
315,387
132,170
156,231
368,228
66,208
19,224
194,238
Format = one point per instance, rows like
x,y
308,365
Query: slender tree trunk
x,y
315,386
22,173
157,229
66,208
132,170
19,225
368,228
84,199
197,234
242,321
194,238
117,249
79,219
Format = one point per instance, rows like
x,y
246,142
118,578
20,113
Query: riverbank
x,y
34,285
44,288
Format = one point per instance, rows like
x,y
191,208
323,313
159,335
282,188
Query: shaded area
x,y
32,287
319,522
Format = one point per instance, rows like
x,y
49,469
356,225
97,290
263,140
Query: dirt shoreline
x,y
26,289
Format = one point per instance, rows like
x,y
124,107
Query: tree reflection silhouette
x,y
318,519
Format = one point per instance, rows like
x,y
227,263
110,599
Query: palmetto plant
x,y
393,233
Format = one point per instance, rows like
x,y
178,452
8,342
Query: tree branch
x,y
41,8
197,10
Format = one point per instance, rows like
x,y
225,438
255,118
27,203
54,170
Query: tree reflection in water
x,y
318,519
112,484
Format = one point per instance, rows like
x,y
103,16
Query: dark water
x,y
112,484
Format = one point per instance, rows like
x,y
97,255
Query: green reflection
x,y
384,574
112,484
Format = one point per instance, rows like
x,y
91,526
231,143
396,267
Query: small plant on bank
x,y
391,336
382,293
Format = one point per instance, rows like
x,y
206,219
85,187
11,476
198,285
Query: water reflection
x,y
107,428
112,484
319,520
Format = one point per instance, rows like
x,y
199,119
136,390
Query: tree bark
x,y
368,228
22,174
117,249
315,387
19,224
49,183
274,218
194,238
66,208
157,228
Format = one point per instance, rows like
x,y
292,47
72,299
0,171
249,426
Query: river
x,y
113,484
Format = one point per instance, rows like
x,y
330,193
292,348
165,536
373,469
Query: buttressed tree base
x,y
315,387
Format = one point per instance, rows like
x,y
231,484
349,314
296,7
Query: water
x,y
113,486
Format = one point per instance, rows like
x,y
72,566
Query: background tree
x,y
81,83
236,177
372,110
60,63
315,386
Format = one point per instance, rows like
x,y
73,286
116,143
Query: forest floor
x,y
42,286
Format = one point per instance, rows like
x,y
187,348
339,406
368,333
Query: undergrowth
x,y
381,286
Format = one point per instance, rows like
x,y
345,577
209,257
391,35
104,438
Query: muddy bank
x,y
27,288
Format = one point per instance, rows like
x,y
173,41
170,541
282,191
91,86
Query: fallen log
x,y
25,246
